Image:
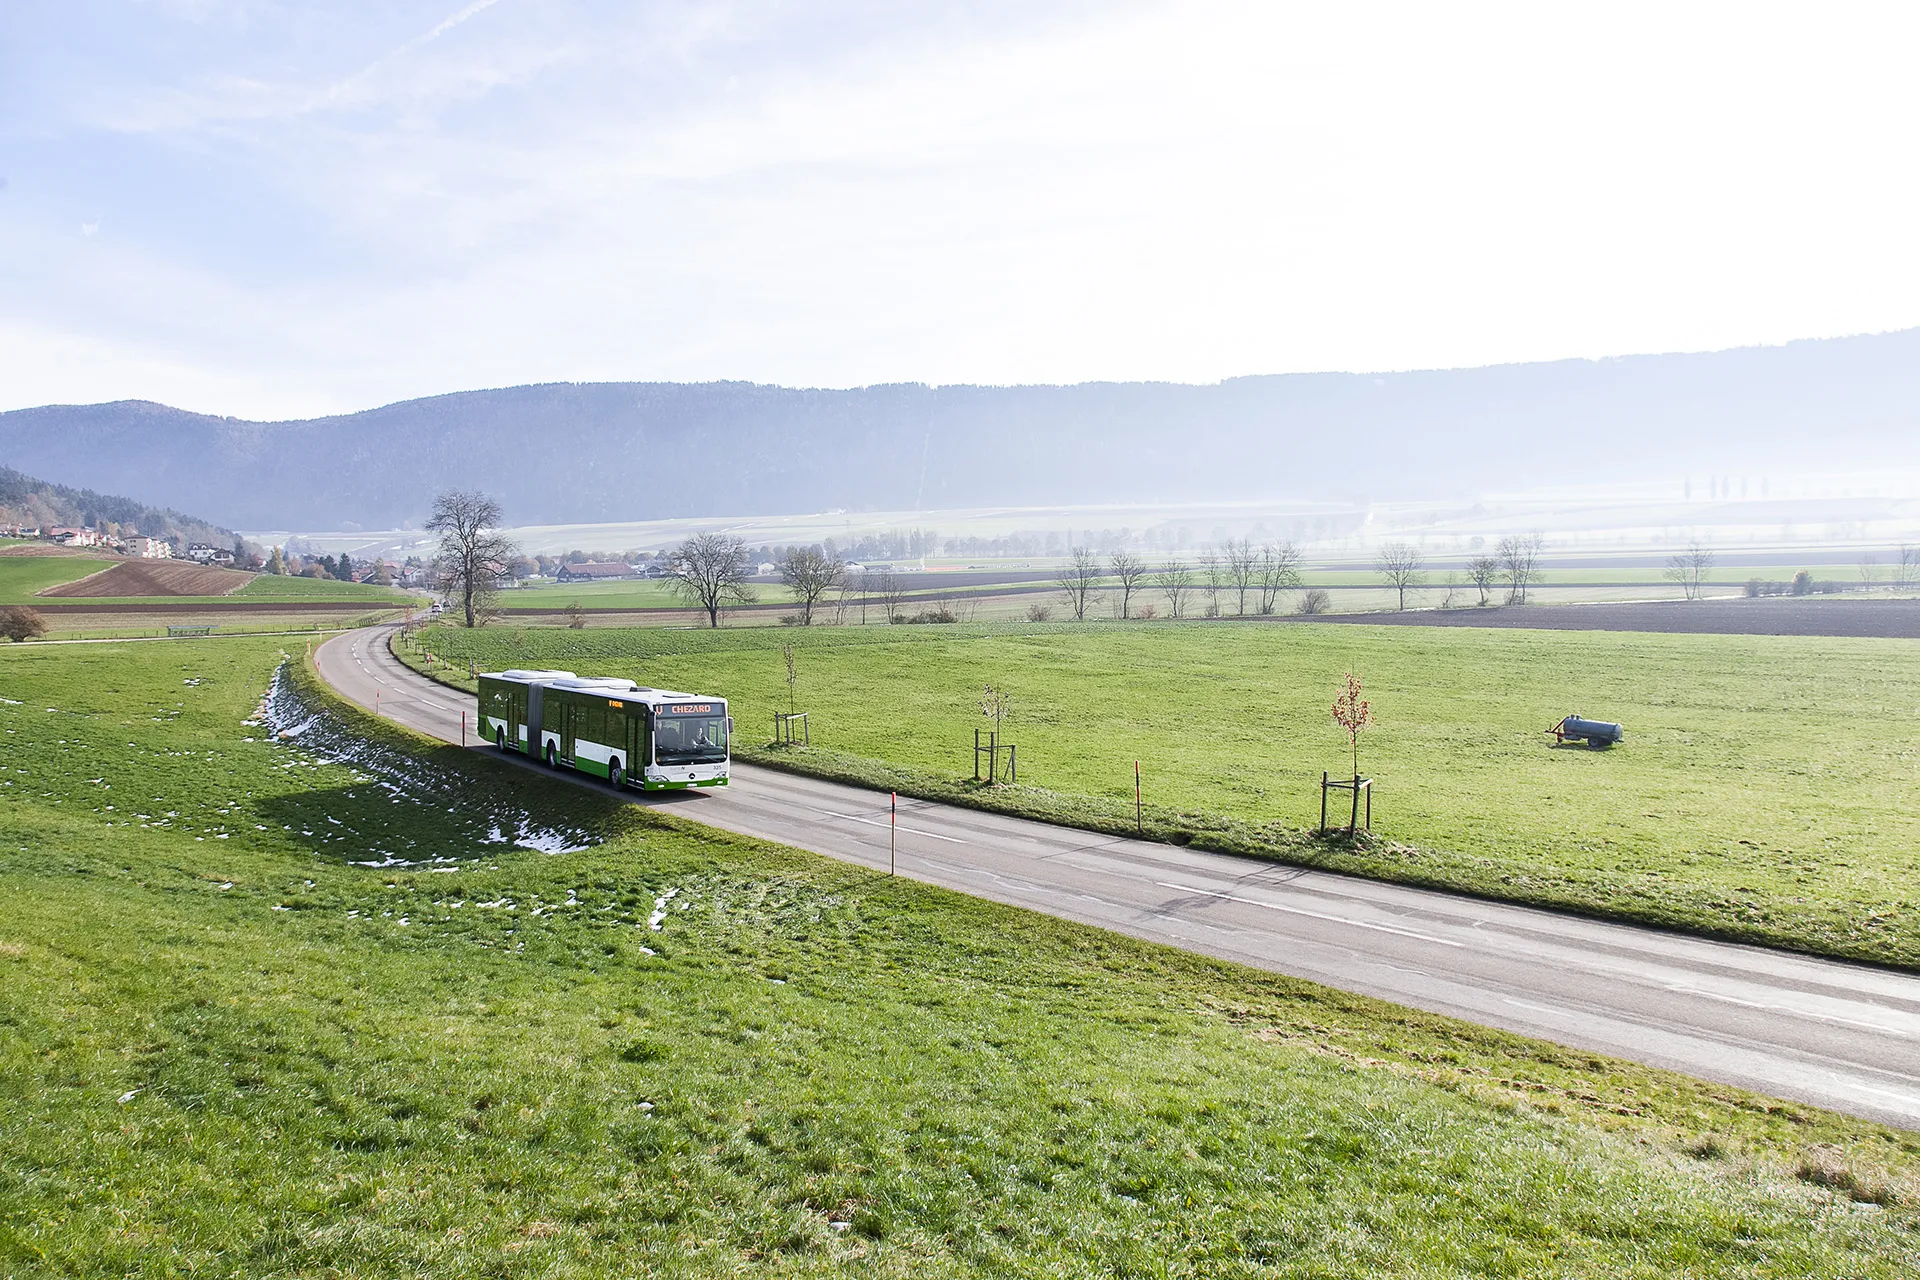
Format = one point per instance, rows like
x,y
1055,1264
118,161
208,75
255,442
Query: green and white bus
x,y
649,739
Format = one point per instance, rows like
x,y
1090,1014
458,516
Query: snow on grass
x,y
407,781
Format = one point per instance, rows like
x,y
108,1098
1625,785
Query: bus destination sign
x,y
689,709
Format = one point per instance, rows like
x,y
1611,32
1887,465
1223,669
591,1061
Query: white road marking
x,y
912,831
1302,911
1790,1010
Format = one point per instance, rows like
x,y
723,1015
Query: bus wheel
x,y
500,739
553,759
615,774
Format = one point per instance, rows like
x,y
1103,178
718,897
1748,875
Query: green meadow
x,y
22,577
268,586
348,1003
1768,788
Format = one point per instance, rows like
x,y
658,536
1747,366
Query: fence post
x,y
1323,802
1139,822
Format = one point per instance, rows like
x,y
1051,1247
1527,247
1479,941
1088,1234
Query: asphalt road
x,y
1835,1035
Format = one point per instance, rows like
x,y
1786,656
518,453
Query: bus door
x,y
517,717
633,744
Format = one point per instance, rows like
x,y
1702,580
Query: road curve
x,y
1823,1032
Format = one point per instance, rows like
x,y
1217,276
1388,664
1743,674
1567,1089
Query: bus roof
x,y
602,686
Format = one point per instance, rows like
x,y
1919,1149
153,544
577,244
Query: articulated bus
x,y
649,739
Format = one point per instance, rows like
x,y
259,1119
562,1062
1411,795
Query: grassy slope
x,y
22,576
229,1047
1767,789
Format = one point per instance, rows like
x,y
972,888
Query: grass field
x,y
1769,788
268,586
231,1046
23,576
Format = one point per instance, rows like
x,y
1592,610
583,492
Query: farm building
x,y
594,571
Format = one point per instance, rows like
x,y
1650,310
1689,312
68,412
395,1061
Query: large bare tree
x,y
1402,565
1689,569
1278,570
890,589
1213,574
1079,582
1520,561
810,573
1907,569
1483,572
1175,580
1243,568
1129,571
710,572
474,555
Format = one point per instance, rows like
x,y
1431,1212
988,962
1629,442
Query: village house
x,y
201,553
594,571
68,537
150,548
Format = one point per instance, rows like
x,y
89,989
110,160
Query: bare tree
x,y
890,590
1689,569
1869,570
1520,561
1402,565
809,573
473,556
1214,573
1906,572
1242,567
1483,572
710,572
1174,580
1131,571
1079,582
1278,570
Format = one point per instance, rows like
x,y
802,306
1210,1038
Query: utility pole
x,y
893,824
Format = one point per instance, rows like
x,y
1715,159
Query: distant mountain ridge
x,y
25,500
568,453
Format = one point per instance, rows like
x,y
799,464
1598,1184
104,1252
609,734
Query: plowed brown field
x,y
154,578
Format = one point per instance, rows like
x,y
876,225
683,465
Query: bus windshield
x,y
690,739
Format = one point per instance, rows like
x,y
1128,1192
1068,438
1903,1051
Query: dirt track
x,y
153,578
1805,616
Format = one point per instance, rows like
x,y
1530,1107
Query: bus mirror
x,y
729,726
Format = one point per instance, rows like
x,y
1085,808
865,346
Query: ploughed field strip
x,y
287,991
1765,791
137,578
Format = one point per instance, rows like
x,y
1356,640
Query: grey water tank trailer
x,y
1596,733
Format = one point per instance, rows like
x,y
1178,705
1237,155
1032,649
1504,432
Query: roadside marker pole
x,y
463,728
1139,823
893,824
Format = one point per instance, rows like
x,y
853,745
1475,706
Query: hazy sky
x,y
273,210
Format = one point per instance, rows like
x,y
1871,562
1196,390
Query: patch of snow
x,y
659,915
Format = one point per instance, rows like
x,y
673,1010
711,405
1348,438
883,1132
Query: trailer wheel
x,y
1599,744
615,774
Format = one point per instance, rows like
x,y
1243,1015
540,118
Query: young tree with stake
x,y
1353,713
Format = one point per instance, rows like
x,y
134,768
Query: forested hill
x,y
24,500
624,451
